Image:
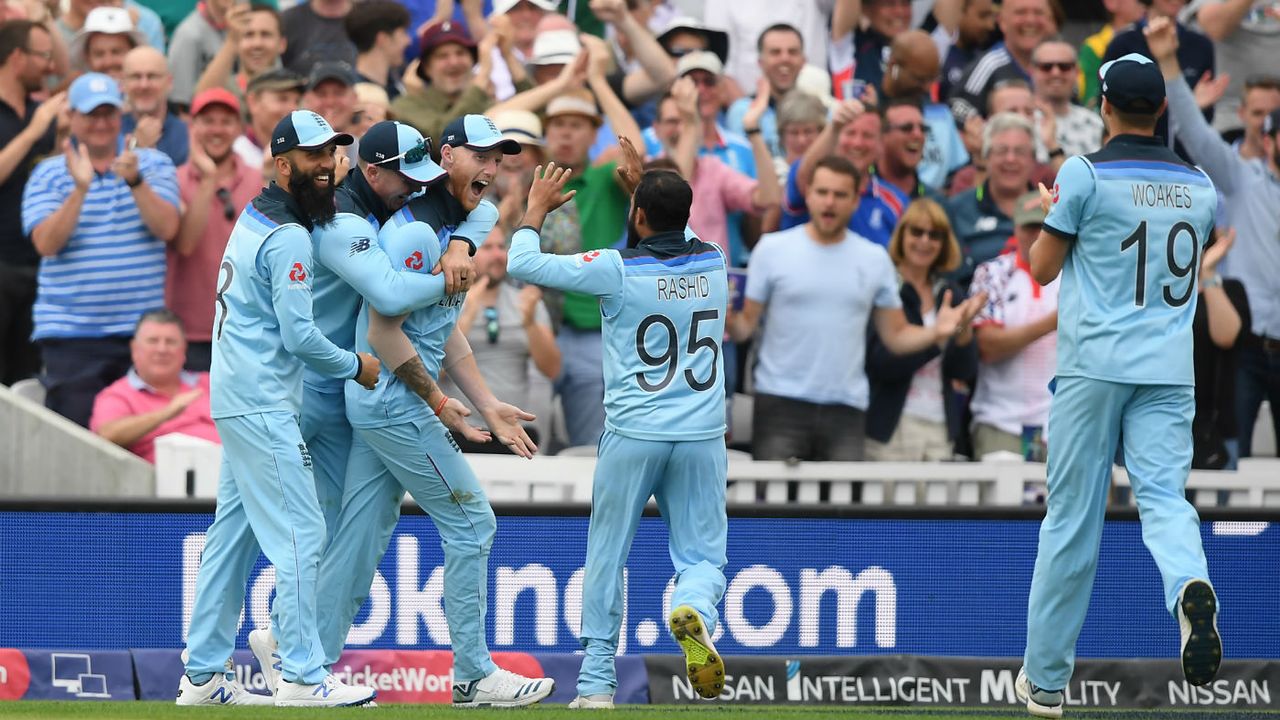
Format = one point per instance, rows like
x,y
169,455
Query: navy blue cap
x,y
402,148
304,129
326,70
1133,84
477,132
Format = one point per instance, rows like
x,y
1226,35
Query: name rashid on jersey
x,y
684,287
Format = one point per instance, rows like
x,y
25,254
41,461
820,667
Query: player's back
x,y
663,367
251,371
1128,292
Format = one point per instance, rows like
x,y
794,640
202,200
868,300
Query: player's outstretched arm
x,y
504,420
348,248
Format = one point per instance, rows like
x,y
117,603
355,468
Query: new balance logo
x,y
359,246
306,455
465,692
221,694
322,688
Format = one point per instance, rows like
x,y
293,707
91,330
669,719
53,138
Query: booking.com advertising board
x,y
796,587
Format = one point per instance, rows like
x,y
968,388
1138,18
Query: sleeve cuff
x,y
1058,233
471,246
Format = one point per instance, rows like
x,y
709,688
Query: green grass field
x,y
166,711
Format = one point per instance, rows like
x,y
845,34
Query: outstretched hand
x,y
631,167
504,422
454,416
547,192
953,320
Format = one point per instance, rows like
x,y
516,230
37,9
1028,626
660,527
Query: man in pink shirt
x,y
215,185
156,397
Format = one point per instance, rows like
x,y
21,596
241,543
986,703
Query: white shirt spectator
x,y
744,20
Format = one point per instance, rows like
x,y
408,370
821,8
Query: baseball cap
x,y
443,33
555,47
108,21
521,126
390,142
277,79
700,60
332,70
717,40
214,96
477,132
573,105
502,7
1271,123
304,129
93,90
1132,83
1027,210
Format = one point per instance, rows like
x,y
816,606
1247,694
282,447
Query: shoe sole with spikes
x,y
703,662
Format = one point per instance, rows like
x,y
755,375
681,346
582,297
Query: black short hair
x,y
914,101
373,17
14,35
261,7
778,27
665,198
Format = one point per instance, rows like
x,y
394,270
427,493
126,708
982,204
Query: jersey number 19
x,y
1139,238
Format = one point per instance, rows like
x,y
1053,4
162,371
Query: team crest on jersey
x,y
414,261
589,256
1056,190
359,246
298,273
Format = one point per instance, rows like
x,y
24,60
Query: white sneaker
x,y
592,702
704,665
222,689
502,688
1198,621
332,692
263,645
1040,703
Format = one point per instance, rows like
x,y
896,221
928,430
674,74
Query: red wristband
x,y
440,407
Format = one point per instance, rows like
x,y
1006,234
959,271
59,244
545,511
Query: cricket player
x,y
1125,228
264,332
663,300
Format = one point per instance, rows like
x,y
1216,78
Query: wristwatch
x,y
1057,152
1214,281
137,180
752,131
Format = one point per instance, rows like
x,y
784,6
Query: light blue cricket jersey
x,y
1138,217
263,330
663,306
414,246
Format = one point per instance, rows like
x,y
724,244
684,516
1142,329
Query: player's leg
x,y
626,473
1084,420
358,540
1157,450
327,434
691,497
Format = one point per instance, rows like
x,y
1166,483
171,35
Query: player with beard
x,y
263,335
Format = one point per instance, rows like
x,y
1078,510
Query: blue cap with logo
x,y
1133,84
400,147
307,130
93,90
477,132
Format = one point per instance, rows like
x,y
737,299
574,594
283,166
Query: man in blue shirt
x,y
263,334
663,301
1125,229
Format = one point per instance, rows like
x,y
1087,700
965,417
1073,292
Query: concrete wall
x,y
44,454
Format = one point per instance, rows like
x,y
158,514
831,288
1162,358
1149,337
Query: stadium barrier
x,y
188,467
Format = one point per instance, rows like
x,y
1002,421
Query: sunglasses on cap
x,y
415,154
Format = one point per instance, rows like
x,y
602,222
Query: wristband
x,y
136,181
752,131
1057,152
440,407
359,367
1213,282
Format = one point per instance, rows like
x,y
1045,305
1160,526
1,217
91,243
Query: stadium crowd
x,y
133,137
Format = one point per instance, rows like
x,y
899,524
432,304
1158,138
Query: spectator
x,y
1017,333
1261,96
1024,24
859,50
1221,313
1078,130
974,27
269,96
451,86
372,107
857,136
509,330
747,21
1246,38
683,35
596,218
515,175
156,397
380,32
1012,96
316,31
150,120
71,22
100,46
196,41
914,409
92,212
781,54
911,71
1120,15
516,21
645,69
904,144
1251,193
215,186
27,130
815,289
983,216
255,41
801,117
331,94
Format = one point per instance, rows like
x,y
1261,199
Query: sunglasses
x,y
491,324
228,209
910,127
1065,67
415,154
917,231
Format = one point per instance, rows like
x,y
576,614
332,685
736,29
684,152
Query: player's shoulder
x,y
1126,155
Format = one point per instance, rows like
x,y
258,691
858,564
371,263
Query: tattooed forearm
x,y
413,373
